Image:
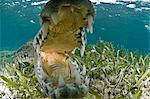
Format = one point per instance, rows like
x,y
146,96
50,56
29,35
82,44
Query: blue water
x,y
123,26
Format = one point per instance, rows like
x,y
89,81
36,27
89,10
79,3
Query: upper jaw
x,y
87,18
85,7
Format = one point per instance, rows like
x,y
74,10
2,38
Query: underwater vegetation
x,y
114,73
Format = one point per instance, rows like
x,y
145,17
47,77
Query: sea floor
x,y
113,73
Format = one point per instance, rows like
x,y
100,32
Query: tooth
x,y
77,77
54,18
38,48
90,23
75,63
73,52
55,94
41,21
84,70
49,88
87,30
79,70
43,55
82,49
87,81
38,62
61,81
44,29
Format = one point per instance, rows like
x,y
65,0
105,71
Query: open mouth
x,y
63,29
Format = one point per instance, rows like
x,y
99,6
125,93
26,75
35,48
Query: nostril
x,y
81,28
84,18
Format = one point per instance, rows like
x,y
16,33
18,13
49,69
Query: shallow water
x,y
126,27
123,26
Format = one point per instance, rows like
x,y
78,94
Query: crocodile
x,y
64,24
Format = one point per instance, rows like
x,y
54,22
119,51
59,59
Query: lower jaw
x,y
70,91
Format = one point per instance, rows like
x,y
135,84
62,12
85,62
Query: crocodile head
x,y
63,24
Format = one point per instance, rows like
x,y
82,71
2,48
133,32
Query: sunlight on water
x,y
122,23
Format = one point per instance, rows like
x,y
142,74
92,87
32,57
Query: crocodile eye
x,y
84,18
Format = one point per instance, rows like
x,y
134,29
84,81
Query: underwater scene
x,y
75,49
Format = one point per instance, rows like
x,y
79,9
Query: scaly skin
x,y
63,24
